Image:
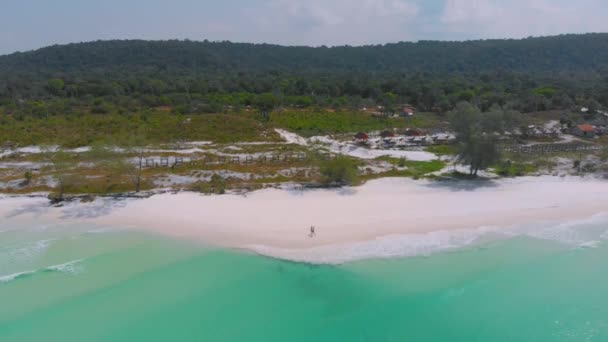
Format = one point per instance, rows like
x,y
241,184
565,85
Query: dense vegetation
x,y
185,77
160,127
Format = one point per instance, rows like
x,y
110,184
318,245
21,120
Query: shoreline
x,y
275,222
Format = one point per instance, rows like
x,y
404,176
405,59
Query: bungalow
x,y
584,130
408,111
413,132
387,134
361,138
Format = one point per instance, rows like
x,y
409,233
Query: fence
x,y
249,159
553,148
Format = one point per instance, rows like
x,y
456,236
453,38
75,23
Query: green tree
x,y
340,171
266,103
127,161
62,166
27,178
388,102
55,86
477,145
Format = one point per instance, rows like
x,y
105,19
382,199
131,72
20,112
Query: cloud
x,y
28,24
521,18
336,22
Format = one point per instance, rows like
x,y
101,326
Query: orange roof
x,y
587,128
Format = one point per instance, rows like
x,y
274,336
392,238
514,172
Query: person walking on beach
x,y
312,231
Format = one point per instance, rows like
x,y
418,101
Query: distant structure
x,y
414,132
408,111
584,130
361,138
387,134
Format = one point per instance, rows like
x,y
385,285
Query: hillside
x,y
587,52
549,73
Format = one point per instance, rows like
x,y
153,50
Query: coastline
x,y
276,222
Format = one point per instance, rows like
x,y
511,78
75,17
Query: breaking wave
x,y
73,267
587,233
70,267
15,276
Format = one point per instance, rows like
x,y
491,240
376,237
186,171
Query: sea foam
x,y
73,267
15,276
586,233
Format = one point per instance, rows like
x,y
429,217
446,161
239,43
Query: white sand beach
x,y
276,222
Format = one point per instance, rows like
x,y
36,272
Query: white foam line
x,y
577,234
8,278
72,267
407,245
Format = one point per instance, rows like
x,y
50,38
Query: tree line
x,y
187,77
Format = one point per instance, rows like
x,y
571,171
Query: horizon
x,y
304,46
33,24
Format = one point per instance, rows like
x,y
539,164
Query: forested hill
x,y
566,53
209,77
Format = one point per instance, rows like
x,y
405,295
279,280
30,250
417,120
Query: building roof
x,y
587,128
385,134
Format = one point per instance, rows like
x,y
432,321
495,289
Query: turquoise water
x,y
107,286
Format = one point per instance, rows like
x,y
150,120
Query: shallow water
x,y
71,283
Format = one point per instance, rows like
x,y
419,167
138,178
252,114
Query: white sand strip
x,y
276,222
350,149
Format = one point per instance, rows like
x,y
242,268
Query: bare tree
x,y
124,161
134,145
62,164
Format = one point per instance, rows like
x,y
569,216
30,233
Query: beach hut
x,y
413,132
584,130
387,134
408,111
361,138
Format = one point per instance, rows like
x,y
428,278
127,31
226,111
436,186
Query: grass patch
x,y
339,171
443,150
310,123
515,169
160,127
420,167
415,169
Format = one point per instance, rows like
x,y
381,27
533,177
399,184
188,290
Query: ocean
x,y
74,283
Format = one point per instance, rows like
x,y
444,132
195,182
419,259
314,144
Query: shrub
x,y
339,171
443,150
511,169
28,177
589,168
217,186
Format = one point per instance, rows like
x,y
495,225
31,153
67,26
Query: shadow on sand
x,y
96,209
302,190
73,210
462,184
34,209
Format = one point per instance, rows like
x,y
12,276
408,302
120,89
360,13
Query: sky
x,y
31,24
